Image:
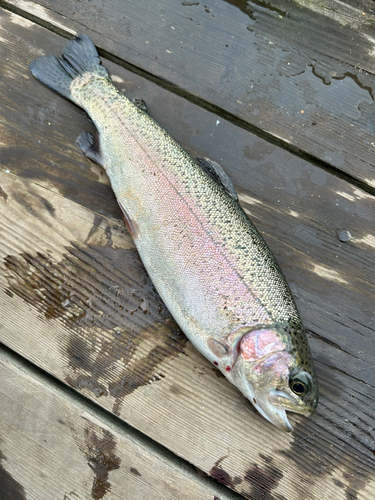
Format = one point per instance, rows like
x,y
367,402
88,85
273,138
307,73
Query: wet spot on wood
x,y
200,472
338,483
135,471
356,480
175,389
218,473
10,489
263,480
266,458
120,332
218,373
47,205
100,454
351,494
3,194
306,443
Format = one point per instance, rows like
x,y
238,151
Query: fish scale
x,y
208,262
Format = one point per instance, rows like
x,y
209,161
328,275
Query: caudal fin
x,y
80,56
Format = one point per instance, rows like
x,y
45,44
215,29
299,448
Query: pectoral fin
x,y
218,348
215,171
228,346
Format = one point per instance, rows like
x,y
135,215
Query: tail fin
x,y
80,56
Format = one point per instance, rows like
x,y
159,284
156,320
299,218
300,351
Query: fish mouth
x,y
281,399
276,416
275,406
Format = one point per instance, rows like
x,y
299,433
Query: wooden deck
x,y
101,395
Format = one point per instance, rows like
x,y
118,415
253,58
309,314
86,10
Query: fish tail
x,y
80,56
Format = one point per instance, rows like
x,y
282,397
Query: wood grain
x,y
55,446
77,302
298,73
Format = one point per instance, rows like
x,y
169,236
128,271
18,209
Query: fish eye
x,y
300,383
298,387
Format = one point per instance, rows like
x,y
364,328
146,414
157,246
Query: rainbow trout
x,y
208,262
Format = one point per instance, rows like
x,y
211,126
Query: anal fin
x,y
90,146
216,172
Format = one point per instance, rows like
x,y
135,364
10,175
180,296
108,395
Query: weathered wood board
x,y
295,72
54,446
76,301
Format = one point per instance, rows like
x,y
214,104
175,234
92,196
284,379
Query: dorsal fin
x,y
216,172
140,103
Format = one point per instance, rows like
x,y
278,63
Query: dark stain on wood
x,y
120,329
10,489
218,473
3,194
218,373
135,472
101,458
263,480
356,480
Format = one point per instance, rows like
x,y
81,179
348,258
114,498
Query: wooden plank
x,y
54,445
296,73
77,302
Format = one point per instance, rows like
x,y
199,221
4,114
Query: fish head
x,y
271,375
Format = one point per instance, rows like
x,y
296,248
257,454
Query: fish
x,y
206,259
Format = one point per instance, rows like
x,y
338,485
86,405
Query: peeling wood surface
x,y
53,446
297,72
76,301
